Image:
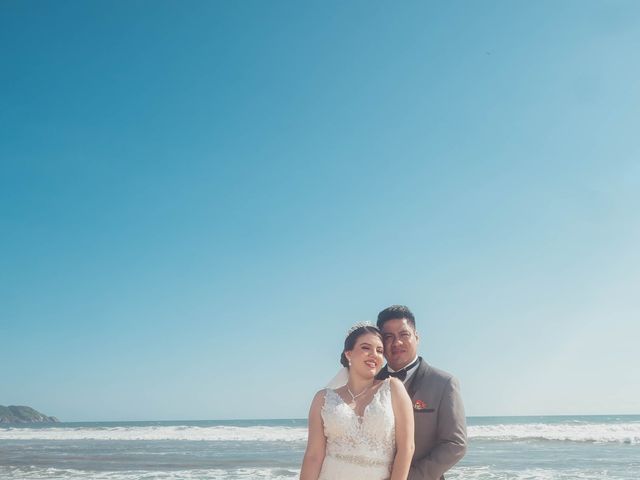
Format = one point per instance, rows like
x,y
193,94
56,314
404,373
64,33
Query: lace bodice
x,y
358,447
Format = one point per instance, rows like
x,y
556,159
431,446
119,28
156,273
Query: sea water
x,y
518,448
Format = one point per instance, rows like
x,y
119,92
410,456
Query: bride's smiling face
x,y
367,357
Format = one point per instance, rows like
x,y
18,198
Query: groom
x,y
440,426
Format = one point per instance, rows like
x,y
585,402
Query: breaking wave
x,y
628,433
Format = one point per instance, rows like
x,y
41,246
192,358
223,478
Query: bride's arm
x,y
316,442
403,413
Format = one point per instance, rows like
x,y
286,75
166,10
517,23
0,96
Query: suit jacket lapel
x,y
416,380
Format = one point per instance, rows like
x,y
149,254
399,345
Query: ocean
x,y
514,448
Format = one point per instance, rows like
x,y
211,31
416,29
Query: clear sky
x,y
198,198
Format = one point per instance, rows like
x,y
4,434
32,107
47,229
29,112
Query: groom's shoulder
x,y
438,374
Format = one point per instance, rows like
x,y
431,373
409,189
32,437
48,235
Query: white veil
x,y
340,379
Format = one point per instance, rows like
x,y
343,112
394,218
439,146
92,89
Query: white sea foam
x,y
38,473
492,473
457,473
573,432
193,433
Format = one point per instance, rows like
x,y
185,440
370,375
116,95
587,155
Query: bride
x,y
362,430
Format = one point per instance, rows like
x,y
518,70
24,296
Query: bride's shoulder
x,y
399,392
395,385
318,400
320,394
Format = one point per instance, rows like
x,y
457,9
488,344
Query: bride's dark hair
x,y
352,338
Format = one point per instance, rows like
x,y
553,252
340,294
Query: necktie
x,y
400,374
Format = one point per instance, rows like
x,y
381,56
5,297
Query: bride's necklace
x,y
353,397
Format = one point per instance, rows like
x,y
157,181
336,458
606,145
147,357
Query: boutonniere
x,y
419,405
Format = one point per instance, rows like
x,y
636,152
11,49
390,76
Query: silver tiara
x,y
358,325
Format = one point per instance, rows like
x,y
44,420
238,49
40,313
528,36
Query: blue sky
x,y
199,198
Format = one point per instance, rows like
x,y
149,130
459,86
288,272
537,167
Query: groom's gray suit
x,y
440,424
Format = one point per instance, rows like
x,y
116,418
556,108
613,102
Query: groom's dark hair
x,y
396,312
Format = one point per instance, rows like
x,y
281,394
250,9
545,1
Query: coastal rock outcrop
x,y
22,414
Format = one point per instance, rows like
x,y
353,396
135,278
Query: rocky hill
x,y
20,414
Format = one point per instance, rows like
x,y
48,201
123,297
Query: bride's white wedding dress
x,y
358,448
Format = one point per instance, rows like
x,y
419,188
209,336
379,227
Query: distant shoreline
x,y
21,414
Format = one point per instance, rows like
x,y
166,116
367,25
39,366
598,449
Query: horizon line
x,y
305,418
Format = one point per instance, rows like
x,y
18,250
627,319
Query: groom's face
x,y
400,342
